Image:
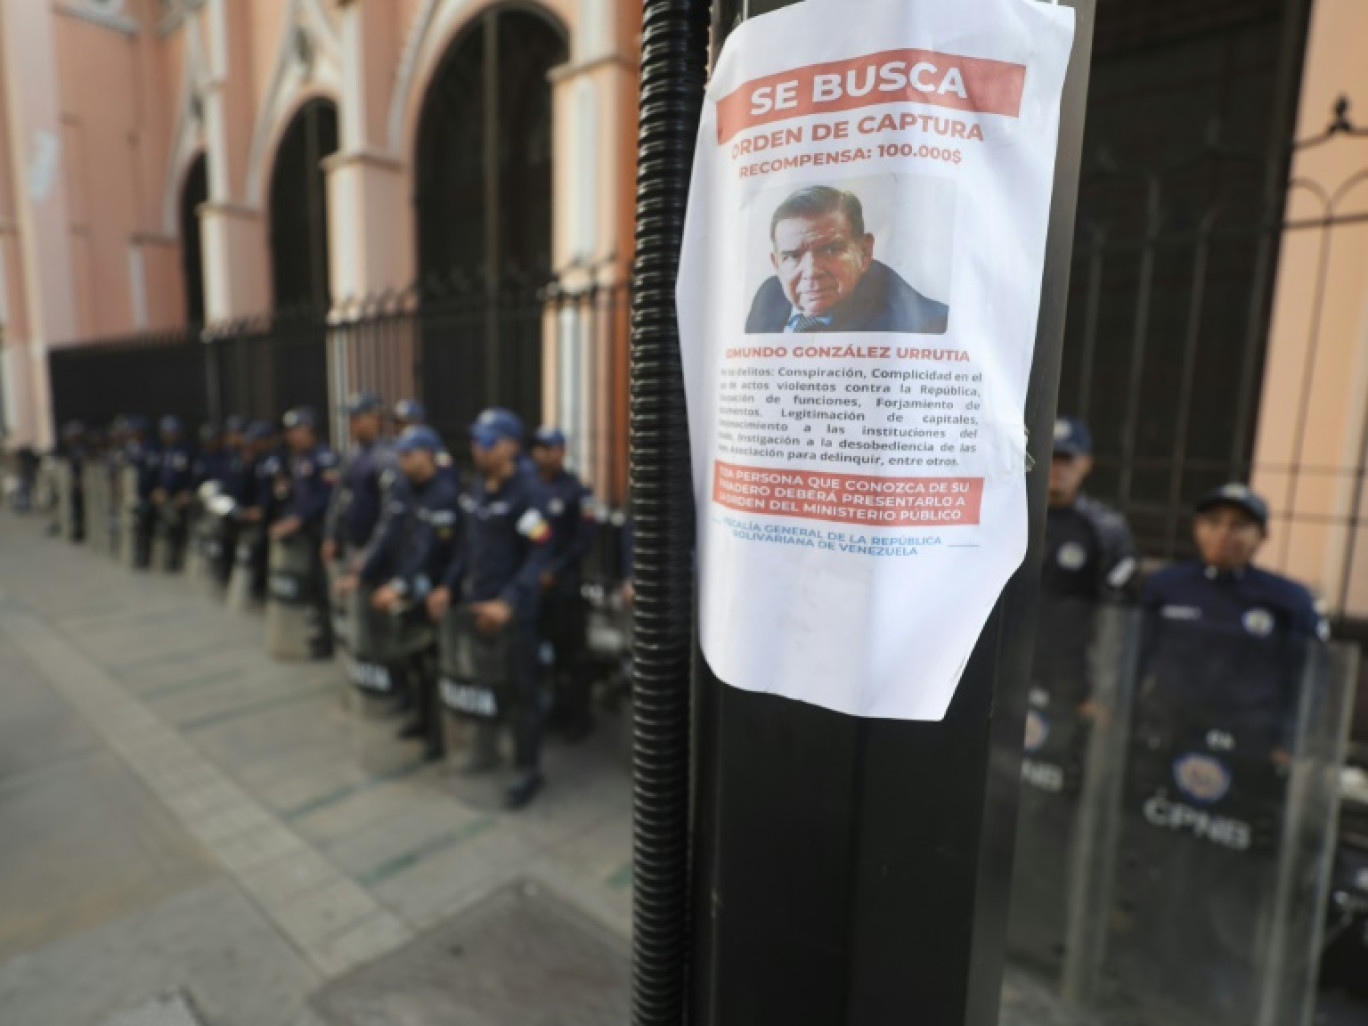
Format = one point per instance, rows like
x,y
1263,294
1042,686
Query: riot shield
x,y
1077,723
379,641
476,673
1226,826
291,616
241,591
95,487
173,526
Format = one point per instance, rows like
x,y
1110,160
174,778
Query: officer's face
x,y
365,427
548,458
418,465
1067,472
299,438
1227,537
819,260
495,457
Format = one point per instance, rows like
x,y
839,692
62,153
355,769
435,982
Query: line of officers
x,y
1090,558
393,522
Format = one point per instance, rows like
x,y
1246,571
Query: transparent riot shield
x,y
95,486
1077,723
1226,826
291,614
137,520
380,644
476,672
63,498
250,538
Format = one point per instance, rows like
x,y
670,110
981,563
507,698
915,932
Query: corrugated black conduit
x,y
673,76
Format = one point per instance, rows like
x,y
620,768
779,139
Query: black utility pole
x,y
838,871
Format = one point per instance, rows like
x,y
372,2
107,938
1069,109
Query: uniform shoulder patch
x,y
533,526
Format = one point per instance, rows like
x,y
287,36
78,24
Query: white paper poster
x,y
857,302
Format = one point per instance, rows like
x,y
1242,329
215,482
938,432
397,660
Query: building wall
x,y
114,100
1313,425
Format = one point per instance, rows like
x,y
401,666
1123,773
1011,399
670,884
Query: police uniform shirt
x,y
1231,642
570,508
1088,552
176,469
419,537
237,477
211,465
1089,559
147,459
313,474
508,537
359,500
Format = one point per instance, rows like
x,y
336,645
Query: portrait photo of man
x,y
826,277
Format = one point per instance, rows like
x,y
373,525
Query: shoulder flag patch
x,y
533,526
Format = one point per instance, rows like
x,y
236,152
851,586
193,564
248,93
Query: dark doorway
x,y
299,212
483,209
194,192
297,335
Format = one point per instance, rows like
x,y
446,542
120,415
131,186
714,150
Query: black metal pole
x,y
856,871
673,73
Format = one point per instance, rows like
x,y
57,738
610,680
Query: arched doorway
x,y
300,291
299,211
194,192
483,210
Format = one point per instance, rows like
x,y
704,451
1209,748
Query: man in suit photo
x,y
826,277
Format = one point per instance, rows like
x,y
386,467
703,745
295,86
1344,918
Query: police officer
x,y
266,489
171,495
1089,560
410,412
211,458
1225,636
313,475
145,458
564,613
357,501
507,548
415,547
74,452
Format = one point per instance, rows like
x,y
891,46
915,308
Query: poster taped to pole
x,y
857,298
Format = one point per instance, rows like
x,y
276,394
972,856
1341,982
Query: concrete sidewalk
x,y
181,813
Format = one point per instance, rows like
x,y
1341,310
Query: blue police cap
x,y
417,437
495,424
234,424
209,433
136,424
257,431
550,436
364,402
1241,496
410,411
169,425
300,416
1072,437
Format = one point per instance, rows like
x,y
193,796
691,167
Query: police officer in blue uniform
x,y
75,452
358,499
1089,560
416,546
171,495
1223,656
1225,636
406,414
507,549
265,488
564,614
211,457
313,474
143,457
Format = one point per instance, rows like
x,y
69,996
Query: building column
x,y
233,239
41,218
585,343
1313,414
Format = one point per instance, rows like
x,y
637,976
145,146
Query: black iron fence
x,y
556,349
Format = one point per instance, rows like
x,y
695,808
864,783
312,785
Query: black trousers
x,y
565,625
